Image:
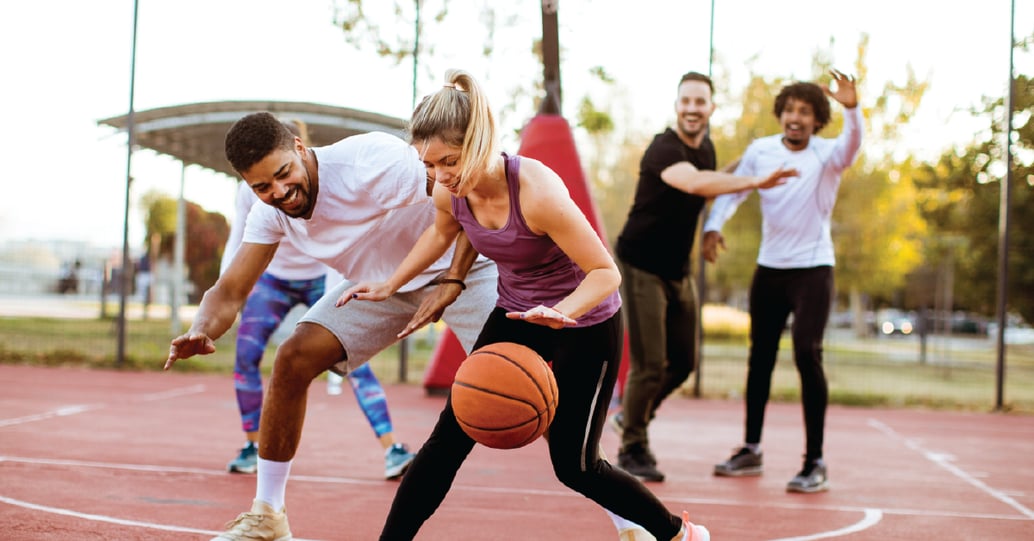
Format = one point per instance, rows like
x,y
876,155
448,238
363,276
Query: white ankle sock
x,y
272,482
621,523
754,447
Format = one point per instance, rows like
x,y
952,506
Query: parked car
x,y
892,321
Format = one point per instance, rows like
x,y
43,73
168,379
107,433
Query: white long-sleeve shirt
x,y
795,231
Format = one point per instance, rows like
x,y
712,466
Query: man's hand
x,y
188,345
776,178
712,241
433,306
845,93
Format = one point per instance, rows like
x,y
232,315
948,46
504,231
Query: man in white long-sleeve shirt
x,y
795,262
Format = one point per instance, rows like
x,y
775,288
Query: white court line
x,y
59,412
172,469
109,520
171,393
871,518
76,409
78,464
943,460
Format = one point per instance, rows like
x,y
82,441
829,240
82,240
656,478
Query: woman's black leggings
x,y
585,364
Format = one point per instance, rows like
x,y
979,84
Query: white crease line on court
x,y
76,409
944,460
172,393
78,464
871,518
107,519
59,412
171,469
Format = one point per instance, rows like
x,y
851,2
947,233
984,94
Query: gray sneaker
x,y
743,463
397,460
812,478
246,461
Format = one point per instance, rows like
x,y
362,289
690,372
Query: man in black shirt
x,y
676,176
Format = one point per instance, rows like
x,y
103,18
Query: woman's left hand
x,y
544,315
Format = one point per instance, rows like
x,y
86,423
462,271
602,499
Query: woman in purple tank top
x,y
558,295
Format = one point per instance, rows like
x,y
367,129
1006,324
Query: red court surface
x,y
122,456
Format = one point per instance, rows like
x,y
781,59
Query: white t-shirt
x,y
371,208
795,231
289,263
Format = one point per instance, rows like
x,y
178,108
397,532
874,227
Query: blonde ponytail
x,y
459,115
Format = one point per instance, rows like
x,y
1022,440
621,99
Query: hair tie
x,y
450,85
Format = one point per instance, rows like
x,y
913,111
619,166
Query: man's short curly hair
x,y
810,93
254,137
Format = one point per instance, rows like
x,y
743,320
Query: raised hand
x,y
845,92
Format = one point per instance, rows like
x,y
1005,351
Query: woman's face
x,y
442,163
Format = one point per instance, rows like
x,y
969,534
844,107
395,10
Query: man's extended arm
x,y
686,177
221,303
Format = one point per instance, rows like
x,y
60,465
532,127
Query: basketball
x,y
504,395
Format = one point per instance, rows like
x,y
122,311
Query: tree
x,y
206,230
959,197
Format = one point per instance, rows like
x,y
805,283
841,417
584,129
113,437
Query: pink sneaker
x,y
692,532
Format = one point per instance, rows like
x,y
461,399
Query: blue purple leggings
x,y
268,303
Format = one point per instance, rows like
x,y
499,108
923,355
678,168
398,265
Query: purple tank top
x,y
533,270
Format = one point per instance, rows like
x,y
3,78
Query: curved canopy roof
x,y
194,133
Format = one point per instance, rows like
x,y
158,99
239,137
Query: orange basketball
x,y
504,395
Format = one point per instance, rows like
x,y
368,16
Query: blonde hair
x,y
459,115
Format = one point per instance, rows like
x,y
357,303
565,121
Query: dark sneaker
x,y
246,461
812,478
638,461
743,463
397,460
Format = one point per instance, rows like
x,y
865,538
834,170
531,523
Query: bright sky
x,y
66,64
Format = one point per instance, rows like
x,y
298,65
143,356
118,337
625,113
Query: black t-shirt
x,y
658,235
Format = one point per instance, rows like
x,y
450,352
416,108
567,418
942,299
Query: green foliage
x,y
960,197
593,120
206,234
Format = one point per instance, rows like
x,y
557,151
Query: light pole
x,y
130,132
1004,202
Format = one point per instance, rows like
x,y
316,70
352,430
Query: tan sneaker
x,y
259,524
635,533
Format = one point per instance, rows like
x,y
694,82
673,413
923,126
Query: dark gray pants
x,y
662,326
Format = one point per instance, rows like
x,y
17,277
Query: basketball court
x,y
116,455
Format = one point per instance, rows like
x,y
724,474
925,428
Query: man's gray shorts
x,y
365,328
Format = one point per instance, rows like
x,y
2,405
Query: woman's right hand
x,y
366,291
